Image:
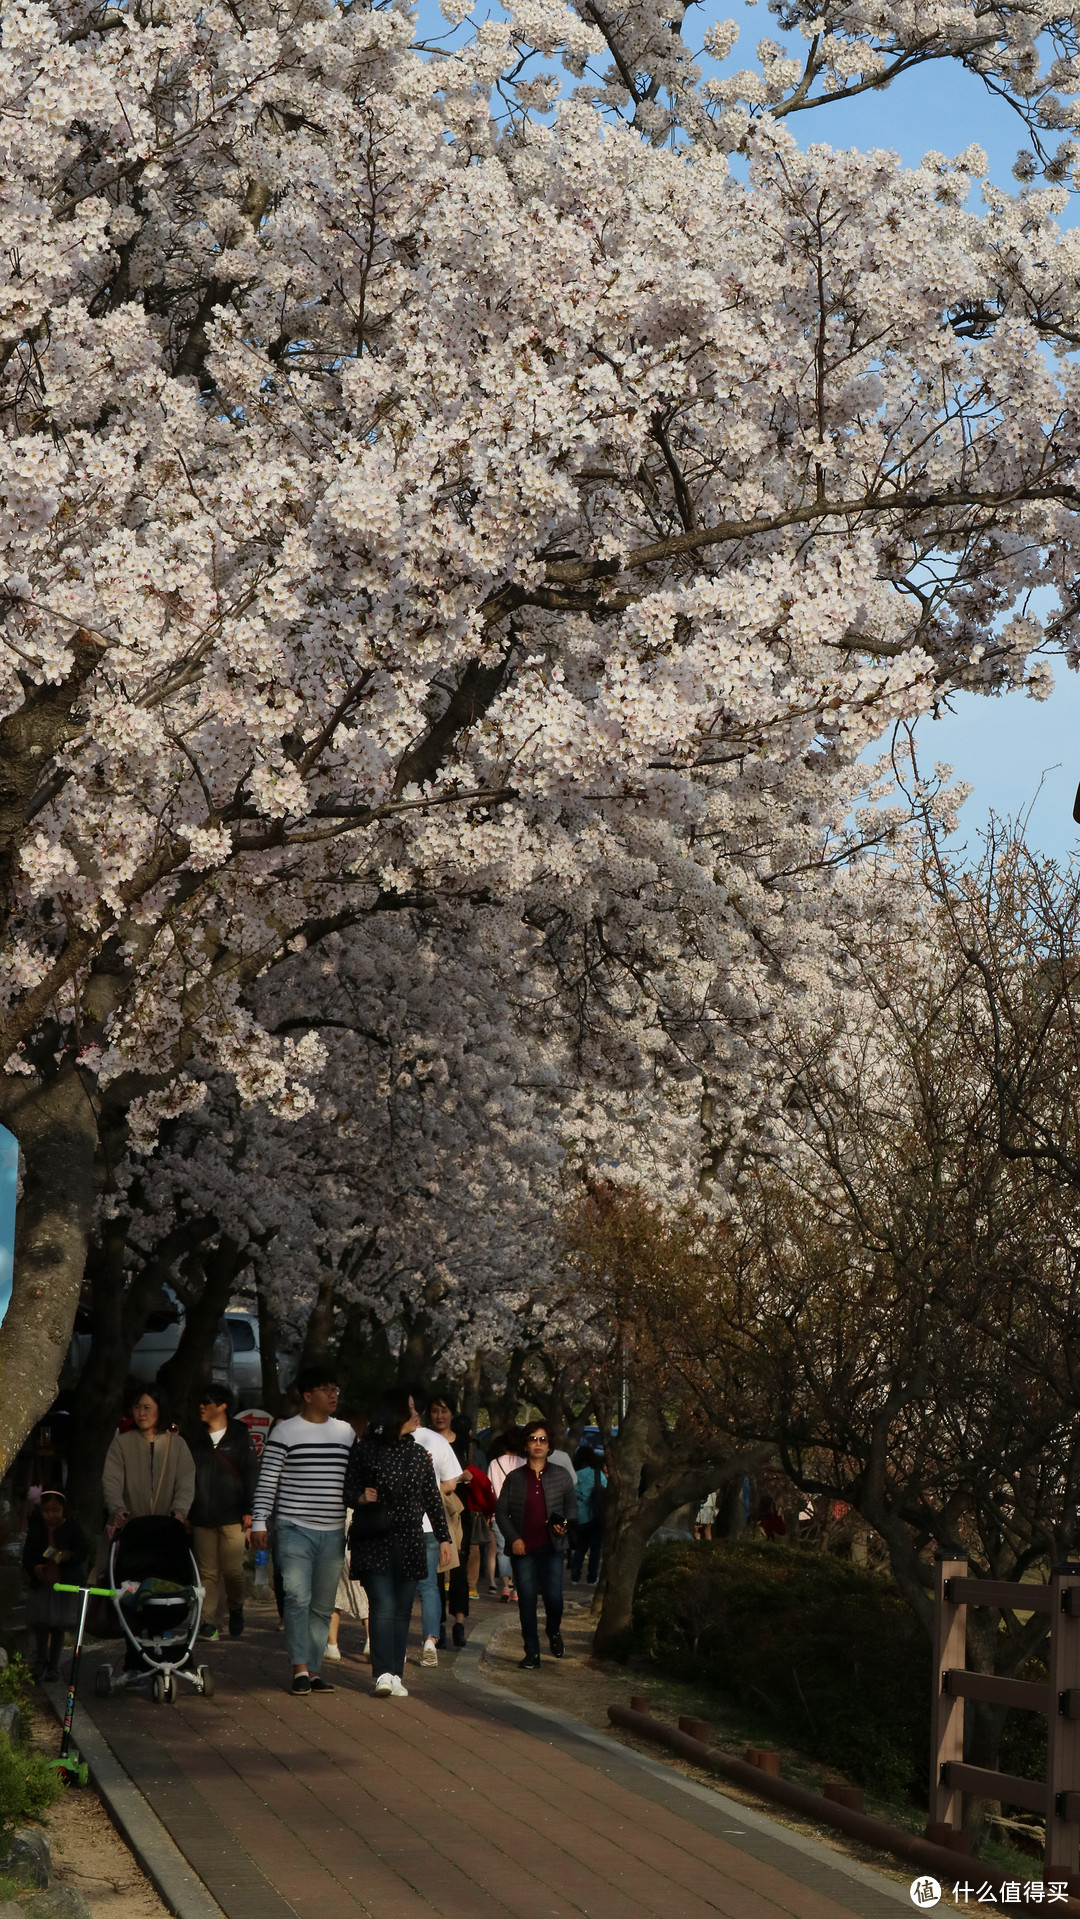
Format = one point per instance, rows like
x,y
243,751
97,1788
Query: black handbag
x,y
372,1519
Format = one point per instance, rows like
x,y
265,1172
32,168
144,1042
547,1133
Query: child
x,y
55,1550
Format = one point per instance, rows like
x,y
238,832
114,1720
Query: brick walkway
x,y
448,1803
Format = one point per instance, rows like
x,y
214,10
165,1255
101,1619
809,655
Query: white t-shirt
x,y
559,1458
216,1437
443,1458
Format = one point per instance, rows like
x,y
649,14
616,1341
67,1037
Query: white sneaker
x,y
384,1685
398,1690
429,1656
332,1652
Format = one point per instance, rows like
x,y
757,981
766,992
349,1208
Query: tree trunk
x,y
624,1550
57,1131
320,1326
191,1365
273,1399
472,1389
97,1400
649,1474
731,1511
503,1406
365,1364
121,1307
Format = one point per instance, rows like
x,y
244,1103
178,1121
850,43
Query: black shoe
x,y
459,1633
319,1684
301,1682
236,1621
440,1643
50,1675
556,1643
530,1663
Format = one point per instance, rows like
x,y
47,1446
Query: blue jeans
x,y
310,1562
541,1571
390,1604
430,1596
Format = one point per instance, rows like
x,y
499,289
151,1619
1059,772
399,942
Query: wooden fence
x,y
1058,1799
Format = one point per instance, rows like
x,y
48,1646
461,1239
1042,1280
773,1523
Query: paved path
x,y
457,1803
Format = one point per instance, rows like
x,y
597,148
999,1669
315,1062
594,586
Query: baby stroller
x,y
158,1598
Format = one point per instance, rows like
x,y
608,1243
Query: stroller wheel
x,y
157,1689
206,1682
103,1681
171,1689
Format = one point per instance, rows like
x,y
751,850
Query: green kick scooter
x,y
71,1766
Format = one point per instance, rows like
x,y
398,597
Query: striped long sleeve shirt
x,y
302,1473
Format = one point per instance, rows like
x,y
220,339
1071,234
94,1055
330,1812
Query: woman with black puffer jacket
x,y
537,1507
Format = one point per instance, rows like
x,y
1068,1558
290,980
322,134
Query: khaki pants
x,y
219,1554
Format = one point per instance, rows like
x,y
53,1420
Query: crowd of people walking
x,y
359,1516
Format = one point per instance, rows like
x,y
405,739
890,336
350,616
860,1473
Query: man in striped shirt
x,y
301,1481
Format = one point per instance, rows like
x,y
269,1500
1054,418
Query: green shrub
x,y
826,1652
28,1785
16,1685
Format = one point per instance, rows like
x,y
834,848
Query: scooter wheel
x,y
206,1682
103,1681
157,1689
171,1690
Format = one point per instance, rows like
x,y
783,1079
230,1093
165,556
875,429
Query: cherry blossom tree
x,y
407,501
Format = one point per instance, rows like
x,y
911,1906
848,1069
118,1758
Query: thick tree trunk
x,y
191,1365
320,1327
650,1473
365,1364
97,1401
273,1399
57,1131
624,1550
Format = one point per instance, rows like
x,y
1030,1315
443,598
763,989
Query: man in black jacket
x,y
226,1469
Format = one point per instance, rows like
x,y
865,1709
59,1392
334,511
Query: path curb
x,y
177,1886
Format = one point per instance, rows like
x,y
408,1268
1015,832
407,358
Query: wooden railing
x,y
1058,1800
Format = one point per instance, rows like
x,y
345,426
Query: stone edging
x,y
177,1886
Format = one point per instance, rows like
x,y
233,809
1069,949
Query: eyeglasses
x,y
538,1439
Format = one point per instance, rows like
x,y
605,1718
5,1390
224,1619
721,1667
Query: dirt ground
x,y
87,1851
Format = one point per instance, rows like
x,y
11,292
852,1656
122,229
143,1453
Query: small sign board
x,y
258,1424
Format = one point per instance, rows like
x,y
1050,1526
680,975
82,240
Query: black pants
x,y
49,1641
590,1540
454,1590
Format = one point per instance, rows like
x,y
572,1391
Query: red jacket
x,y
479,1493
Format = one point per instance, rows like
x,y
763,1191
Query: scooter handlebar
x,y
99,1592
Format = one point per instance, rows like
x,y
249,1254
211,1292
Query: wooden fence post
x,y
1063,1746
947,1711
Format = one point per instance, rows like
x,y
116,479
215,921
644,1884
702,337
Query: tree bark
x,y
273,1399
320,1326
649,1474
191,1365
121,1306
365,1364
56,1128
